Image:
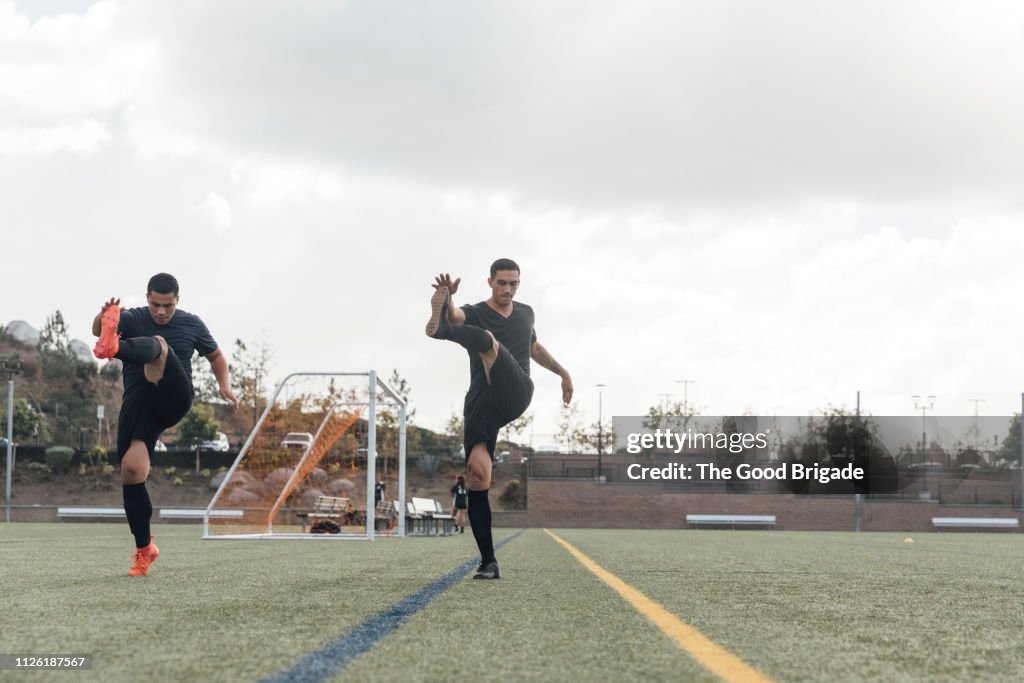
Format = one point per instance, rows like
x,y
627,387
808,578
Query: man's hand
x,y
228,395
445,280
566,388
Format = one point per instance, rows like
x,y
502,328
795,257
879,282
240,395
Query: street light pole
x,y
9,367
685,382
600,432
919,404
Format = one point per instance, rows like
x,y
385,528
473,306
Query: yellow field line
x,y
712,656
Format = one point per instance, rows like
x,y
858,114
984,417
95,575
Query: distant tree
x,y
53,338
403,389
388,423
569,425
518,426
197,426
204,382
250,373
591,434
29,424
453,431
670,414
1009,451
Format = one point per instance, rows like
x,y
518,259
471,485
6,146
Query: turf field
x,y
788,606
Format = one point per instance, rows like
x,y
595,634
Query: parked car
x,y
219,444
297,440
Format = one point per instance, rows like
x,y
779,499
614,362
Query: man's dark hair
x,y
503,264
162,283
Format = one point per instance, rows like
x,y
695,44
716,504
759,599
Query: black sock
x,y
138,350
470,337
139,510
480,521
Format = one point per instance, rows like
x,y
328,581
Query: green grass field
x,y
797,606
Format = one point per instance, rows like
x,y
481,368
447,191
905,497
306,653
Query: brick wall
x,y
585,503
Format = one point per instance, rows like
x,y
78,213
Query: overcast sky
x,y
785,202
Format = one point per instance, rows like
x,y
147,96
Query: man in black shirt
x,y
499,336
155,345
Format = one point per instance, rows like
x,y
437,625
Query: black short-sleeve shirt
x,y
515,332
185,333
460,495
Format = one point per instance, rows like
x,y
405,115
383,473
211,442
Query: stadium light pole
x,y
919,404
600,433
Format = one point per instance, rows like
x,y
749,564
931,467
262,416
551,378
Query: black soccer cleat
x,y
437,326
488,571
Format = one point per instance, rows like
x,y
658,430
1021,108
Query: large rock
x,y
81,350
23,332
279,477
340,486
309,497
242,497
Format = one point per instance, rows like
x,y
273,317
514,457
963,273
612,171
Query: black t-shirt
x,y
184,333
515,332
459,491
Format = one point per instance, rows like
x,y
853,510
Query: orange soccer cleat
x,y
106,347
144,557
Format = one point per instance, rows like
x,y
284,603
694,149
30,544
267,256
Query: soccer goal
x,y
309,467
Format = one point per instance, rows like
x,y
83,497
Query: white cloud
x,y
216,209
80,137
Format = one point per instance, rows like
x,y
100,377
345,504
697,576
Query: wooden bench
x,y
326,507
976,522
731,520
197,513
89,513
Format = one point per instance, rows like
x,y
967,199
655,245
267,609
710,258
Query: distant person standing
x,y
380,492
155,345
460,501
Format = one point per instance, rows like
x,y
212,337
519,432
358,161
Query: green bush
x,y
96,455
428,464
514,495
59,457
41,468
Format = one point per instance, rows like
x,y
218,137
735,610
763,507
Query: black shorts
x,y
147,410
500,402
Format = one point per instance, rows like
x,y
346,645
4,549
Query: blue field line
x,y
332,658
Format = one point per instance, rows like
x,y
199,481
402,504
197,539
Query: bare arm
x,y
544,359
219,366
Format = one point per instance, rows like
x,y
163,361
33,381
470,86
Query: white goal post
x,y
308,468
